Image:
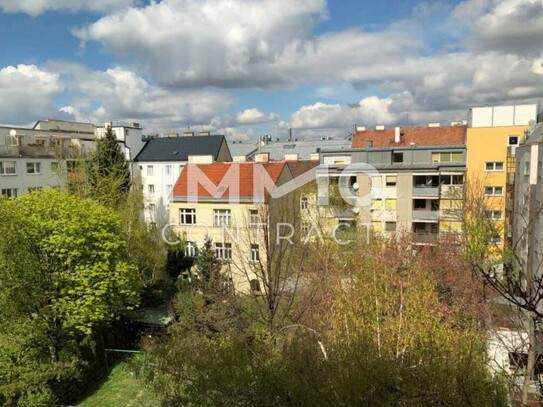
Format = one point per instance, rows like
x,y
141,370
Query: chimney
x,y
262,158
292,157
239,159
380,127
188,133
396,134
205,133
434,124
136,125
107,125
360,128
201,159
170,135
315,157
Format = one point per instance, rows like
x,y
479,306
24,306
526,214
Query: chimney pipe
x,y
396,134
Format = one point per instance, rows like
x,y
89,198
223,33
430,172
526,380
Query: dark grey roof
x,y
179,148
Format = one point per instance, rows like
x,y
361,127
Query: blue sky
x,y
251,67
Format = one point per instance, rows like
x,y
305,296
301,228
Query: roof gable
x,y
179,148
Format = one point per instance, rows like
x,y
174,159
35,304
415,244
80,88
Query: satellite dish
x,y
356,187
13,132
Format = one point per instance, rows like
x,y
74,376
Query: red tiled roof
x,y
216,173
423,136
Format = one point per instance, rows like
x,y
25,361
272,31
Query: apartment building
x,y
420,177
493,136
162,160
30,158
528,204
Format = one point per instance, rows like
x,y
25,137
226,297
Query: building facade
x,y
162,160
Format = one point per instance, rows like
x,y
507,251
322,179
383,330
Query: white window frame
x,y
494,165
168,170
187,216
3,168
223,251
254,217
494,215
255,253
35,167
151,189
304,202
494,193
190,249
10,192
150,171
222,217
152,208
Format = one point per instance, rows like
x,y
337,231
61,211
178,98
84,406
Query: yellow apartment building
x,y
493,135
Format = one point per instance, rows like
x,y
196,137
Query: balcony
x,y
426,215
425,191
426,238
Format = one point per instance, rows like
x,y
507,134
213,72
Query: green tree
x,y
63,275
208,266
109,172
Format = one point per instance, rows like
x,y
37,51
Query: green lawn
x,y
121,388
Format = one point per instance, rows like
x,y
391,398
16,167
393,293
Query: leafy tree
x,y
109,173
63,274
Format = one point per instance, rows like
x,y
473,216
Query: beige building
x,y
233,205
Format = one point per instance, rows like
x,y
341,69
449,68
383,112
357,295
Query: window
x,y
187,216
490,191
33,168
512,140
304,228
190,249
495,238
168,170
255,285
150,170
10,192
7,168
169,189
221,217
254,218
452,179
223,251
397,157
420,204
54,167
304,202
255,254
494,166
448,156
494,215
390,226
152,208
151,188
526,168
390,180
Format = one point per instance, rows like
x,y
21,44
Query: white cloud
x,y
27,92
208,42
254,116
122,95
37,7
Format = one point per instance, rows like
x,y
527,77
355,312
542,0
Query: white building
x,y
161,161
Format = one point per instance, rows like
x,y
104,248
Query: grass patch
x,y
121,388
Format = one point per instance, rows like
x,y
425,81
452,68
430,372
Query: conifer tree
x,y
109,173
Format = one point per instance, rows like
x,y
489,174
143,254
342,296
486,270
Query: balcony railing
x,y
426,238
425,191
425,215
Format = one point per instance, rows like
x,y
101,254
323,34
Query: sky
x,y
246,68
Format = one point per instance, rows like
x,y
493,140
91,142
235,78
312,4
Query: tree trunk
x,y
532,346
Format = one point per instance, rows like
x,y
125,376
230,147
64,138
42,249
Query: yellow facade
x,y
487,147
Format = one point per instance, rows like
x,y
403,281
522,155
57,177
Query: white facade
x,y
131,137
501,116
158,179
